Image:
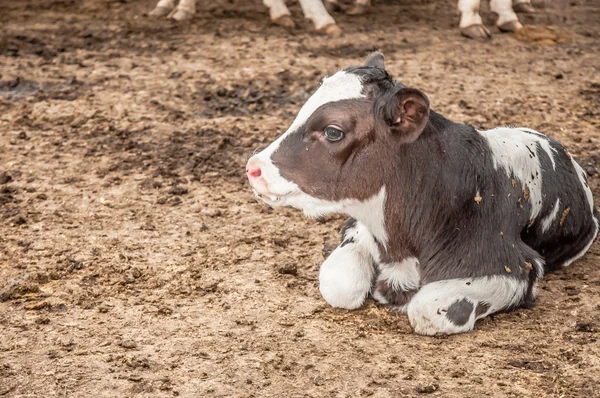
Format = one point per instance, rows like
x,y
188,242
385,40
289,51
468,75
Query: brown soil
x,y
134,260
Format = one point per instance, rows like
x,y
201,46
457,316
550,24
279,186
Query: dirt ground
x,y
134,260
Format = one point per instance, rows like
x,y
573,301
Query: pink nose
x,y
253,171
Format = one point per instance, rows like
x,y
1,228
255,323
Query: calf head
x,y
339,151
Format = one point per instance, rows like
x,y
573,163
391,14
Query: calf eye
x,y
333,133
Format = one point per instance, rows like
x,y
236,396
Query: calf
x,y
448,223
279,13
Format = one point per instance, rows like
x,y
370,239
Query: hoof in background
x,y
331,30
285,21
477,32
524,8
510,26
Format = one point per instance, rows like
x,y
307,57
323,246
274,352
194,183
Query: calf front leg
x,y
507,19
345,278
452,306
471,24
397,283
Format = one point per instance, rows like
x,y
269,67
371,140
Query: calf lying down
x,y
448,224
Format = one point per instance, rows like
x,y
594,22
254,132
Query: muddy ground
x,y
134,260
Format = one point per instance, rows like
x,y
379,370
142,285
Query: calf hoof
x,y
477,32
524,8
159,12
285,21
181,15
332,7
331,30
358,9
510,26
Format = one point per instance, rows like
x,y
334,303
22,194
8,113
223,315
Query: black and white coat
x,y
448,224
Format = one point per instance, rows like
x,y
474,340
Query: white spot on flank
x,y
547,221
516,152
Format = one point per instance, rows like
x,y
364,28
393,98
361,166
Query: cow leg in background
x,y
317,13
163,8
185,10
360,7
452,306
507,19
397,283
346,277
523,6
471,24
279,13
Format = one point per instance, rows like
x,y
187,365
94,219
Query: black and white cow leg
x,y
523,6
346,277
397,283
184,11
163,8
454,305
471,24
507,19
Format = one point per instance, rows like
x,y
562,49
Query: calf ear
x,y
412,113
376,60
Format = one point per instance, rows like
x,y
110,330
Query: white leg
x,y
184,11
163,8
507,19
277,9
523,6
452,306
469,13
346,276
471,24
317,13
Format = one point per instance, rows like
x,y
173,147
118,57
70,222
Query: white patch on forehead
x,y
341,86
516,151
